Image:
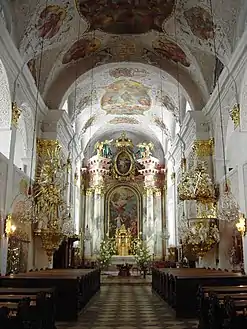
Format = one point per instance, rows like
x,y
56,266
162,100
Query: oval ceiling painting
x,y
126,97
125,16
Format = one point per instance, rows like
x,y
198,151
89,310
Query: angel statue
x,y
99,149
103,148
145,149
107,153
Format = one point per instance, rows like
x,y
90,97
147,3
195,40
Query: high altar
x,y
125,188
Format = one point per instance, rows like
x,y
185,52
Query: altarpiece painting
x,y
123,208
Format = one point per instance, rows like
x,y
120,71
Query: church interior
x,y
123,164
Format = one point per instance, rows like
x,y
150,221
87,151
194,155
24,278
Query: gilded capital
x,y
89,191
157,192
235,115
16,113
48,147
149,190
203,148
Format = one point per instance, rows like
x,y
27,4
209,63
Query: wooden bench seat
x,y
73,288
179,286
212,304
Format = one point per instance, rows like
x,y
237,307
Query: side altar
x,y
124,199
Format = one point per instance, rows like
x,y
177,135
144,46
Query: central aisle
x,y
128,307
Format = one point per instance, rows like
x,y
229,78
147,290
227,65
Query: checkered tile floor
x,y
128,307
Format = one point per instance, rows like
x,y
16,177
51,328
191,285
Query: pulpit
x,y
123,241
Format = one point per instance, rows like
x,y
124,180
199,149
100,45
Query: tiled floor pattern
x,y
128,307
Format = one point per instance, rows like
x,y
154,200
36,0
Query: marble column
x,y
158,225
98,219
144,229
9,187
150,219
88,213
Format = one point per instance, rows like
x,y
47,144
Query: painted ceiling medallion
x,y
81,49
125,16
126,97
124,120
50,21
171,51
200,22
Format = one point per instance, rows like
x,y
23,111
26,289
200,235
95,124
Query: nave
x,y
128,307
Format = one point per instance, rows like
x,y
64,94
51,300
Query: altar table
x,y
121,260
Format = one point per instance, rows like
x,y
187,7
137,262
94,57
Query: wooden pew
x,y
179,286
26,312
73,288
206,296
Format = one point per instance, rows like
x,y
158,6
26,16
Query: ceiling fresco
x,y
125,17
200,22
80,49
127,97
138,48
171,51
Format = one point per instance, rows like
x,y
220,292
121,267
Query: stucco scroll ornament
x,y
235,115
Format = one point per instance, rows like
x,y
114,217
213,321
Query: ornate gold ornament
x,y
158,192
123,142
235,115
200,237
49,148
16,113
196,184
10,228
203,148
241,224
89,191
51,239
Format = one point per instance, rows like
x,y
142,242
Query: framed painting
x,y
123,163
123,208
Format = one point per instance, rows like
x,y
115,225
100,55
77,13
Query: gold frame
x,y
129,172
107,205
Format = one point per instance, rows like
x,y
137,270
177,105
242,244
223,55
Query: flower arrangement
x,y
107,250
201,238
141,254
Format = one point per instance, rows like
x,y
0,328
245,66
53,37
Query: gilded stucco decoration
x,y
203,148
235,115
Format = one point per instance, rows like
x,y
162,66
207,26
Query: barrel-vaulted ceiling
x,y
143,51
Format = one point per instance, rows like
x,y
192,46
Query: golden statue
x,y
123,240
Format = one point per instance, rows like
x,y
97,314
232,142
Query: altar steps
x,y
110,279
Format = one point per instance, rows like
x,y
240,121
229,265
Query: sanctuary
x,y
124,198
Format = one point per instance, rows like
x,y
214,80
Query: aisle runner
x,y
128,307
